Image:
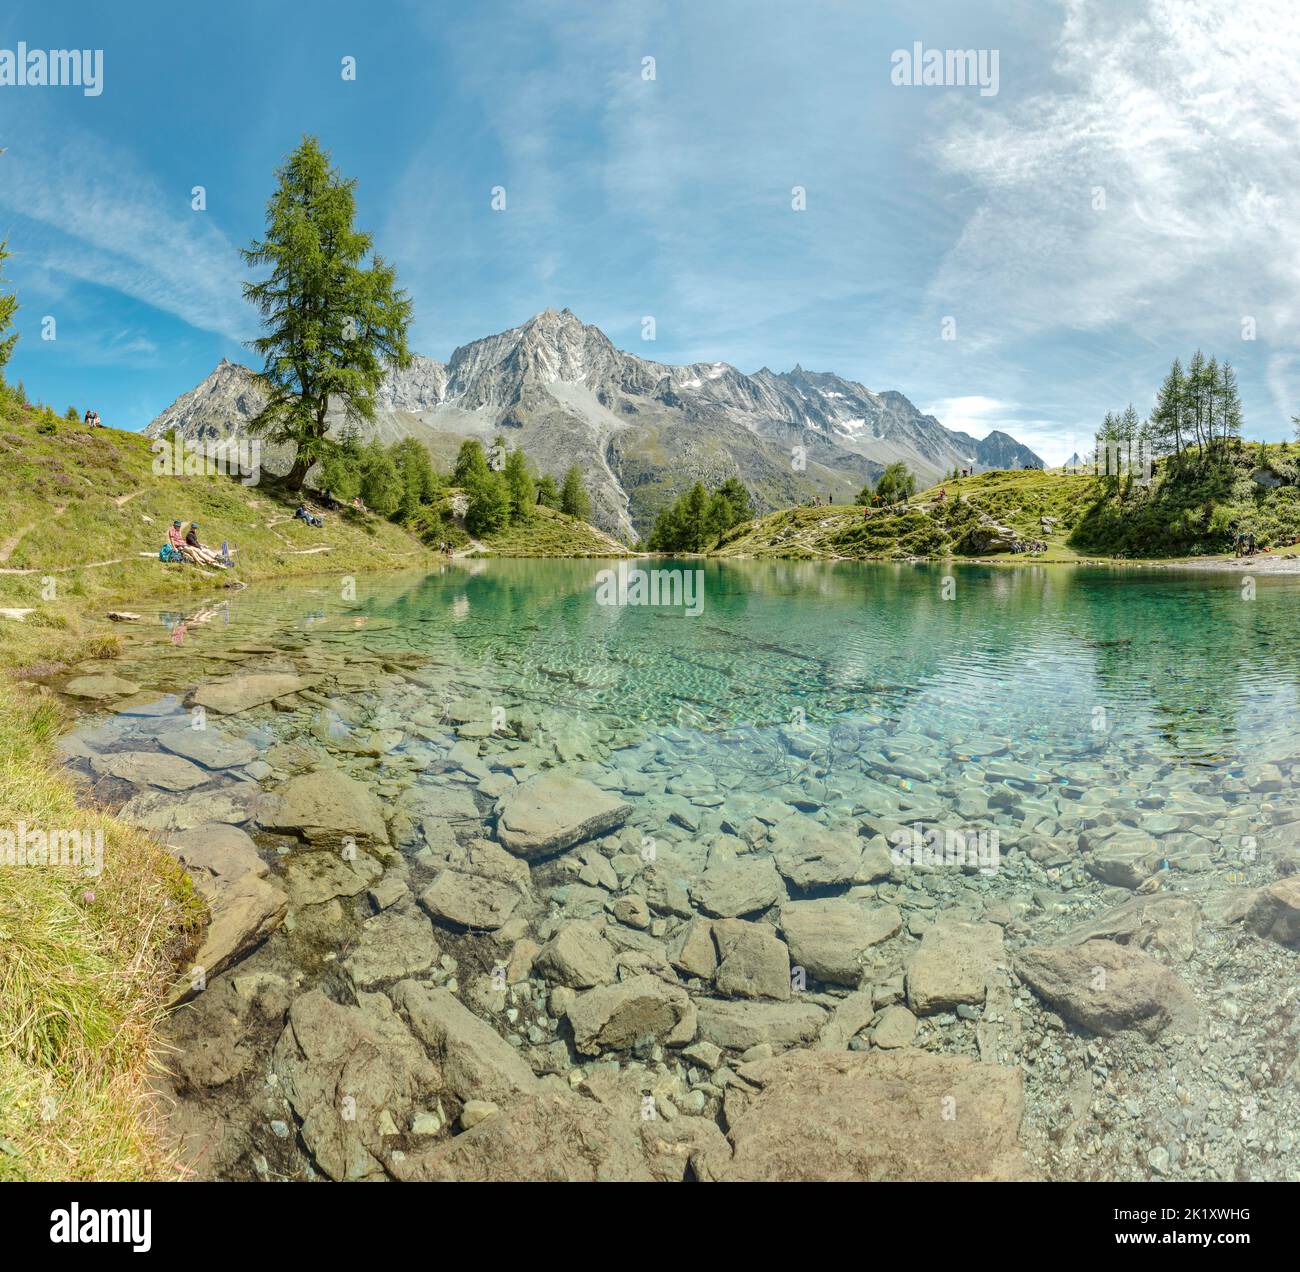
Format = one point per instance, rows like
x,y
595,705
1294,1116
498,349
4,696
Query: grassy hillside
x,y
928,526
1191,507
83,969
86,510
548,533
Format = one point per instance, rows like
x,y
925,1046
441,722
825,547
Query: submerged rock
x,y
1108,988
732,889
209,747
325,807
554,811
737,1026
953,966
829,937
398,942
241,693
632,1013
350,1073
877,1116
470,901
476,1062
150,768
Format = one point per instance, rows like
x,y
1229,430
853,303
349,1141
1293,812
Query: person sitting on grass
x,y
196,552
303,515
175,538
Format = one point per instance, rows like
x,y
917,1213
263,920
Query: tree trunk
x,y
298,474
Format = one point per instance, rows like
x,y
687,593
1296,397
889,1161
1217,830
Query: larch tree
x,y
333,314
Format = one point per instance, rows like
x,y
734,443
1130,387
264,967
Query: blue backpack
x,y
168,553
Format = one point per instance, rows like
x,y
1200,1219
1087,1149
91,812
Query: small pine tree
x,y
471,465
489,505
522,491
574,499
548,494
381,484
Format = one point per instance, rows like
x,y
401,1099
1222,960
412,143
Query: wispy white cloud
x,y
1149,188
100,218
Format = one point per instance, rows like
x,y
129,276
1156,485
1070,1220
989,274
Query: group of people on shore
x,y
1245,545
186,547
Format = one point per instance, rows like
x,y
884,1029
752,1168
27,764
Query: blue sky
x,y
671,197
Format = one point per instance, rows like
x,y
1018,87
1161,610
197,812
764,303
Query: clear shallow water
x,y
858,686
1042,701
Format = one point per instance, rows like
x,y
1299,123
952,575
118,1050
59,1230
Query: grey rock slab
x,y
150,768
208,747
241,693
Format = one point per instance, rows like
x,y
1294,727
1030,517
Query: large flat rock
x,y
1108,988
325,806
827,938
620,1017
209,747
241,693
953,966
878,1116
554,811
737,1026
150,768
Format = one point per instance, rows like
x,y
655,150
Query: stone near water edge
x,y
235,805
243,912
553,811
953,966
753,961
365,1053
546,1136
220,850
209,747
314,878
737,1026
623,1016
100,687
828,937
1108,988
325,807
150,768
242,693
877,1116
475,1061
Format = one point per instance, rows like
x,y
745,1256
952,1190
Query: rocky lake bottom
x,y
862,872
